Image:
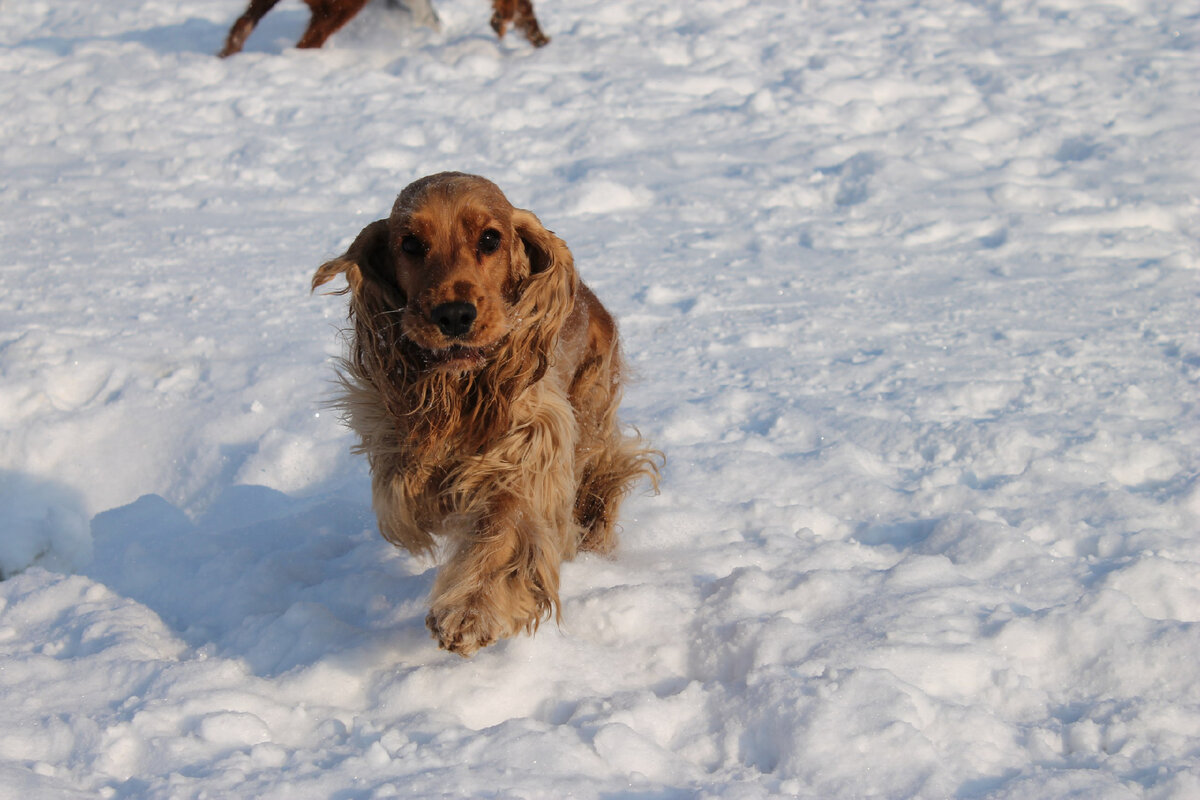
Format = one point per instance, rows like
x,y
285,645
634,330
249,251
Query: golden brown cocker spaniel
x,y
483,379
330,15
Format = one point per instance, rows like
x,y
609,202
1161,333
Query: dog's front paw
x,y
460,630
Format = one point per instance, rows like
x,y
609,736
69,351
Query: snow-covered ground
x,y
912,289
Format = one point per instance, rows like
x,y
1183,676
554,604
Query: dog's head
x,y
458,270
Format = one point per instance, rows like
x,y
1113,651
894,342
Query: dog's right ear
x,y
368,253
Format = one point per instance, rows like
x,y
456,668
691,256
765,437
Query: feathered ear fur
x,y
376,360
546,293
368,254
544,250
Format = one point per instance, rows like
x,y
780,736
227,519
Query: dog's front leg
x,y
501,580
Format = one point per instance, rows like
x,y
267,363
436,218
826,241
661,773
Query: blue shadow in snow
x,y
276,581
190,36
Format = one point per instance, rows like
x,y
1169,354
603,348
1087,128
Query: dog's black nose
x,y
453,319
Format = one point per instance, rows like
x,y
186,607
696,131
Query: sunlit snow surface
x,y
912,292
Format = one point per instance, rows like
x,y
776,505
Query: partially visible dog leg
x,y
527,21
605,485
244,25
327,17
502,581
503,576
502,14
607,462
519,13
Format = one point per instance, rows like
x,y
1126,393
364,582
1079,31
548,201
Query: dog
x,y
330,15
482,380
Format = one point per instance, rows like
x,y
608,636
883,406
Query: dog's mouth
x,y
432,351
455,358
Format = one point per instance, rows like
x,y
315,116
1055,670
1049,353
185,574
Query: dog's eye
x,y
489,241
412,245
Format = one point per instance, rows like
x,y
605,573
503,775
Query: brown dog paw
x,y
462,631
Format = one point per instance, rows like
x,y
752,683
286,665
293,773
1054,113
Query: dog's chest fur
x,y
449,462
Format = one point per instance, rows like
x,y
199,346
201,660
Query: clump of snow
x,y
606,197
909,293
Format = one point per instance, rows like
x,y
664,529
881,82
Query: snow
x,y
911,294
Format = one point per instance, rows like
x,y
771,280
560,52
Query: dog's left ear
x,y
544,250
367,253
546,296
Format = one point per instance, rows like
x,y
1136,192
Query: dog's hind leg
x,y
327,17
502,14
607,462
244,25
519,13
604,484
527,21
